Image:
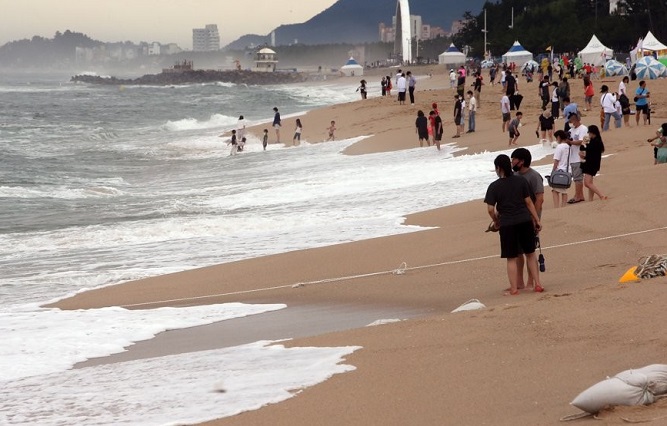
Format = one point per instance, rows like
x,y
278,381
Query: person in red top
x,y
588,69
589,92
431,128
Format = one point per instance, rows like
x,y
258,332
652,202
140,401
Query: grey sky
x,y
164,21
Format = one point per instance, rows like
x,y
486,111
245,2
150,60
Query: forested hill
x,y
567,25
356,21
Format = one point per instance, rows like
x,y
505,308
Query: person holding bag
x,y
561,164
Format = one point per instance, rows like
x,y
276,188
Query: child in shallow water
x,y
331,130
297,132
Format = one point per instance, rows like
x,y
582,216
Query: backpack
x,y
561,91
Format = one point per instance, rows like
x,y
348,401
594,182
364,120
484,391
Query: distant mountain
x,y
354,21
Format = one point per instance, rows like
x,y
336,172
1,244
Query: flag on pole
x,y
548,49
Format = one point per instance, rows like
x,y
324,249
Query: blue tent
x,y
517,54
451,56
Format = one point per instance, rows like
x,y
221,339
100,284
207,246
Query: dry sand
x,y
518,362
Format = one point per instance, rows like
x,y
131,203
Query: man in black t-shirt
x,y
510,88
544,92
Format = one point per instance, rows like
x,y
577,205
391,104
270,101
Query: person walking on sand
x,y
412,82
297,132
276,123
362,89
389,86
505,111
544,92
545,127
514,128
588,94
608,103
592,153
332,130
642,96
401,84
437,129
477,88
624,99
561,162
458,119
472,111
521,159
452,79
511,87
513,214
421,128
577,133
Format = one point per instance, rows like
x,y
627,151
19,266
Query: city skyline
x,y
150,20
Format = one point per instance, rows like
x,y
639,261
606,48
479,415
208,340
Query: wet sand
x,y
289,323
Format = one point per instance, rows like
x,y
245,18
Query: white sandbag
x,y
470,305
657,377
615,391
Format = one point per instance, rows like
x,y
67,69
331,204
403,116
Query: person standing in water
x,y
297,132
265,138
276,123
332,130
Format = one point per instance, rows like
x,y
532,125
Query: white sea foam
x,y
44,341
171,390
216,120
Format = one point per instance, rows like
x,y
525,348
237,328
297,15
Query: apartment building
x,y
206,39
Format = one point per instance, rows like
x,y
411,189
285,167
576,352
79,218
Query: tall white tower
x,y
403,30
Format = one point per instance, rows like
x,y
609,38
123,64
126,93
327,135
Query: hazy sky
x,y
164,21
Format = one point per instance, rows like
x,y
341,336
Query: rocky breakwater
x,y
198,76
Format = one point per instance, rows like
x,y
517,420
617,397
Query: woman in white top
x,y
240,128
624,99
297,132
561,162
555,101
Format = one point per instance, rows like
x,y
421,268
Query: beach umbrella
x,y
648,68
612,68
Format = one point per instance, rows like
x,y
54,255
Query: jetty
x,y
184,73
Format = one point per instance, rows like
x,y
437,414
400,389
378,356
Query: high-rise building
x,y
206,39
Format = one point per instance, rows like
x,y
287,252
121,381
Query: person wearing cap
x,y
452,78
608,102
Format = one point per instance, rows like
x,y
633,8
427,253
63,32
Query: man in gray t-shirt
x,y
521,159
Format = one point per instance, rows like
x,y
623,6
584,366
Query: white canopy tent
x,y
517,54
595,52
451,56
649,45
352,68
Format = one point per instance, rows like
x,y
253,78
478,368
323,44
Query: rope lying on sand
x,y
401,270
652,266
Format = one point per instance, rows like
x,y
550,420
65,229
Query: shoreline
x,y
519,361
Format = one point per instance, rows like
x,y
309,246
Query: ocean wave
x,y
216,120
61,192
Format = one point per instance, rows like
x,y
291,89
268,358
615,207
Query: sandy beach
x,y
521,360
